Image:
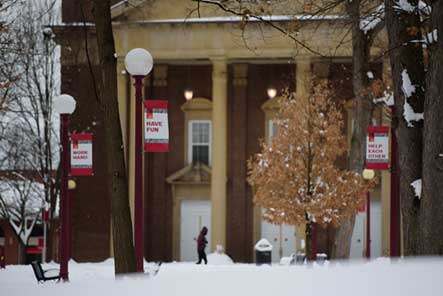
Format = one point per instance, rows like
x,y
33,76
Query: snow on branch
x,y
408,111
417,188
370,22
387,98
405,5
407,86
20,203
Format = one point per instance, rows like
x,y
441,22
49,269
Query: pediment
x,y
197,173
195,104
270,105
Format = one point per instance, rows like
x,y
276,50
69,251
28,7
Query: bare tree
x,y
28,126
20,204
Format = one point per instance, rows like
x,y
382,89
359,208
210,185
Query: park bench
x,y
40,274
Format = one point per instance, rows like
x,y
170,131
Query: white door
x,y
358,236
194,215
281,237
375,229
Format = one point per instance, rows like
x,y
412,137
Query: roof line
x,y
236,19
230,19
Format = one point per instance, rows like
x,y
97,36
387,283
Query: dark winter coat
x,y
201,241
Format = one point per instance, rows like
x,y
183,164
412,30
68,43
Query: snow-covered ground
x,y
376,278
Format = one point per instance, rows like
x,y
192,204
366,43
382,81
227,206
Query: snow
x,y
388,99
424,8
263,245
380,277
408,89
417,188
432,37
369,22
407,86
409,115
404,5
15,192
219,259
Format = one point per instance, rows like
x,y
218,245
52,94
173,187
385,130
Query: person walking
x,y
201,245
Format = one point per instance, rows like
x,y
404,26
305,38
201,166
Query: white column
x,y
219,152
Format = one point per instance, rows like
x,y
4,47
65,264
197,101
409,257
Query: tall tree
x,y
121,217
408,74
365,23
431,204
295,178
28,127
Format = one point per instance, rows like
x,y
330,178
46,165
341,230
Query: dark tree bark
x,y
361,44
121,218
404,27
431,217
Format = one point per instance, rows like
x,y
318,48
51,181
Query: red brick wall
x,y
158,166
11,243
90,200
78,10
246,126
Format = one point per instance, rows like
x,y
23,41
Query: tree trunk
x,y
363,108
21,252
116,172
404,27
431,217
308,242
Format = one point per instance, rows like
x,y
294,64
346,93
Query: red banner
x,y
156,126
377,148
81,155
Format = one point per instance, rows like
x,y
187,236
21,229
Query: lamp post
x,y
138,63
368,175
64,105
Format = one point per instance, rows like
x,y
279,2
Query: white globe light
x,y
272,92
139,62
368,174
64,104
189,94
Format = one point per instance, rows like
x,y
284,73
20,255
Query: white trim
x,y
190,122
228,19
236,19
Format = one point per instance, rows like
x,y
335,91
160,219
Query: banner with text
x,y
156,126
377,148
81,155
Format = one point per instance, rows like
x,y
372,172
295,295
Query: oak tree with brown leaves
x,y
295,178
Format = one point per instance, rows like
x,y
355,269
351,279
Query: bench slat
x,y
40,273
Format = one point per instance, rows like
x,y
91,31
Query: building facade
x,y
202,180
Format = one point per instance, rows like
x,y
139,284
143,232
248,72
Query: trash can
x,y
263,252
300,259
321,258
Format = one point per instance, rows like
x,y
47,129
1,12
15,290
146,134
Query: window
x,y
199,149
272,129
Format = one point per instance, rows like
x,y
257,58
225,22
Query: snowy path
x,y
377,278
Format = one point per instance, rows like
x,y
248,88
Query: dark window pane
x,y
200,153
